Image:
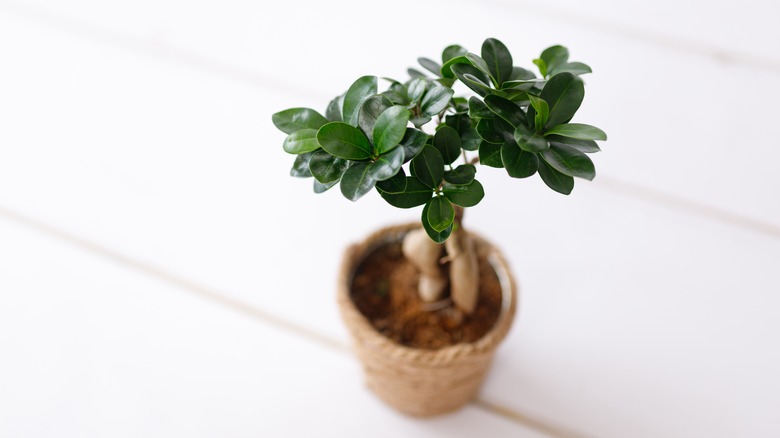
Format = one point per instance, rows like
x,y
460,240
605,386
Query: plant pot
x,y
422,382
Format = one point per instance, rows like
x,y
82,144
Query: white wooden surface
x,y
161,271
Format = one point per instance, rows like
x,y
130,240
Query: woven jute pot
x,y
416,381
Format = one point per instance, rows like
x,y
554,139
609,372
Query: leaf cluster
x,y
515,121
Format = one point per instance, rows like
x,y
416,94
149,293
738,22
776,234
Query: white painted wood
x,y
89,348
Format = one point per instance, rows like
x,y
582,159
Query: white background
x,y
161,275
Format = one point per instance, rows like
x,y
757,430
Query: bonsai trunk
x,y
432,258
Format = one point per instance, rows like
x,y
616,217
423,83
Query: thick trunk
x,y
425,254
464,273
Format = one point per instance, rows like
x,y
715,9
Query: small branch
x,y
474,160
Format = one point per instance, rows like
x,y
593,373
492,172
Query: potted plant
x,y
428,303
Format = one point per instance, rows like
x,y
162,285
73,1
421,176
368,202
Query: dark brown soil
x,y
384,289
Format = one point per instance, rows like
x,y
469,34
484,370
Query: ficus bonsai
x,y
515,121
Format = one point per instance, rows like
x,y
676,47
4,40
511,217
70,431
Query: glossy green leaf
x,y
470,139
428,166
414,73
413,142
334,110
517,162
490,154
461,175
326,168
357,181
390,128
498,60
495,130
344,141
394,184
295,119
436,236
519,74
446,69
387,165
301,141
523,84
555,180
554,57
370,111
529,140
472,78
478,109
542,66
569,161
542,111
436,99
416,89
586,146
418,122
322,188
563,93
467,195
358,92
414,194
430,65
481,65
579,131
441,213
458,122
300,168
447,141
575,68
452,51
505,109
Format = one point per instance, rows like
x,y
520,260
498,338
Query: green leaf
x,y
416,89
518,163
478,109
436,236
519,73
472,78
522,84
467,195
564,93
415,73
430,65
447,141
470,139
428,166
579,131
555,180
436,99
357,181
542,111
441,214
418,122
481,65
542,66
335,107
301,141
370,111
575,68
498,60
495,130
461,175
413,143
490,154
554,57
390,128
344,141
452,51
295,119
530,141
569,161
415,193
358,92
506,109
386,165
586,146
326,168
394,184
446,69
300,168
322,188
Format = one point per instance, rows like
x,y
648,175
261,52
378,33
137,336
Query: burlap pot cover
x,y
415,381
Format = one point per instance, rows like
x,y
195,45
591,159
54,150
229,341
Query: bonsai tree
x,y
513,120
